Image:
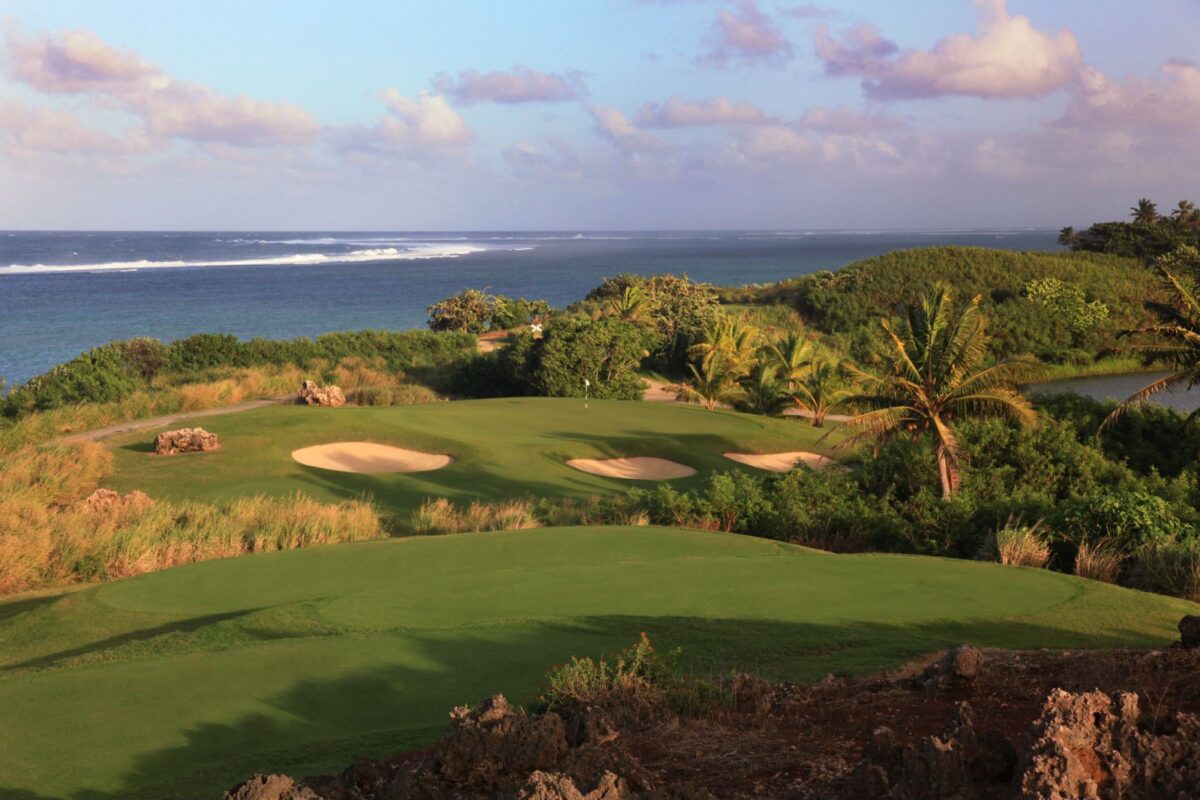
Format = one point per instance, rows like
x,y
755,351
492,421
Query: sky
x,y
594,114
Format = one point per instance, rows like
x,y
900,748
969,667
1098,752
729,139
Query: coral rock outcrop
x,y
185,440
313,395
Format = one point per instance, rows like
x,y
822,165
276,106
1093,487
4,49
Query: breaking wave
x,y
299,259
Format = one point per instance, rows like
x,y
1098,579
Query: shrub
x,y
638,685
143,355
1129,520
508,313
1066,304
1018,545
606,352
99,375
1099,562
205,351
469,311
1169,568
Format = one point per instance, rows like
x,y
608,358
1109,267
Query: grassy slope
x,y
503,448
180,682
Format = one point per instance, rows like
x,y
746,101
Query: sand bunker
x,y
638,468
368,457
781,462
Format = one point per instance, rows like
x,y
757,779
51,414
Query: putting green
x,y
181,682
501,448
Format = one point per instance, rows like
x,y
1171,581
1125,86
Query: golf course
x,y
181,682
513,447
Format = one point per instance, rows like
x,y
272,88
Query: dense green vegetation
x,y
117,370
503,448
474,311
180,683
845,306
937,378
1148,234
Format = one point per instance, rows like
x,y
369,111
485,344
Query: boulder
x,y
957,667
313,395
1189,632
185,440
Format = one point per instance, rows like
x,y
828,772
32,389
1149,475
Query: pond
x,y
1119,387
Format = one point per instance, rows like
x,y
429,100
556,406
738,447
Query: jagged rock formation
x,y
185,440
1022,725
493,751
1095,745
313,395
1088,746
104,501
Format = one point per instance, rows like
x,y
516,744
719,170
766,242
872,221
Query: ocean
x,y
62,292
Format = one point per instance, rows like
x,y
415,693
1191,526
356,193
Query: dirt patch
x,y
637,468
369,457
782,462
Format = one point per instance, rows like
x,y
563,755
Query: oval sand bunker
x,y
637,468
781,462
368,457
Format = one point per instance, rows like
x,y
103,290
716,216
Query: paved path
x,y
168,419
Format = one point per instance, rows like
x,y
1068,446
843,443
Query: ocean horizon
x,y
63,292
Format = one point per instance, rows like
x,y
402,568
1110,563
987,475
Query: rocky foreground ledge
x,y
967,724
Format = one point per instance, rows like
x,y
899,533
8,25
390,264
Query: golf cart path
x,y
167,419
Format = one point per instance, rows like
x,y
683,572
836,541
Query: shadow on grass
x,y
314,727
180,626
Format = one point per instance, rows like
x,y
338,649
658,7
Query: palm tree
x,y
733,342
1185,211
791,355
1145,212
1067,237
820,391
627,304
765,392
1174,344
937,377
713,384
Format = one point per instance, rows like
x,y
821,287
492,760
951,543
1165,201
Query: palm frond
x,y
1144,394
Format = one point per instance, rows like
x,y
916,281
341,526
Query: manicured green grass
x,y
502,448
179,683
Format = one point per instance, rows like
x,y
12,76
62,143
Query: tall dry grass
x,y
1018,545
1100,561
245,384
49,536
162,398
439,515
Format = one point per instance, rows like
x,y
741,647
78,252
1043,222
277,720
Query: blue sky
x,y
601,114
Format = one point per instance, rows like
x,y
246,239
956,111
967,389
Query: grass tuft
x,y
1099,562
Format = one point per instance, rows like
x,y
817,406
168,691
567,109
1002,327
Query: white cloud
x,y
1008,58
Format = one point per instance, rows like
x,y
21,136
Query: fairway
x,y
513,447
181,682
